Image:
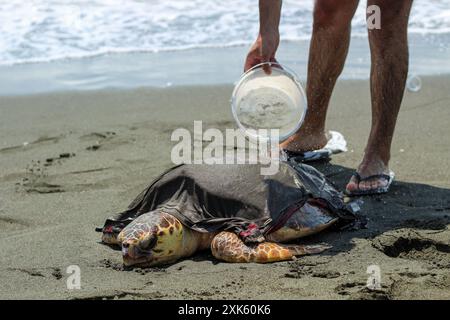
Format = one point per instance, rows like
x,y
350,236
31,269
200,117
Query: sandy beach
x,y
70,160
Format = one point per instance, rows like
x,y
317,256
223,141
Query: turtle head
x,y
152,239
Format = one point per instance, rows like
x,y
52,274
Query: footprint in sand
x,y
58,159
50,272
409,244
36,179
106,140
298,271
11,224
26,145
359,291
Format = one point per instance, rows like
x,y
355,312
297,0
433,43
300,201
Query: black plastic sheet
x,y
235,197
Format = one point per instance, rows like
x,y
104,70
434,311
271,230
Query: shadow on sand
x,y
407,205
411,206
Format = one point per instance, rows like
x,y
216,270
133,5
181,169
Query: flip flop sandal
x,y
388,177
336,144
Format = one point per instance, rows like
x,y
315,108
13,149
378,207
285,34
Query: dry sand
x,y
70,160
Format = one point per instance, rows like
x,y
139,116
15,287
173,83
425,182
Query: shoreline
x,y
201,66
71,159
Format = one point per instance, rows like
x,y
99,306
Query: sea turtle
x,y
157,238
239,214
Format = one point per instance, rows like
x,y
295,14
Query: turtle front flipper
x,y
228,247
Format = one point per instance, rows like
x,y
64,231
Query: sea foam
x,y
46,30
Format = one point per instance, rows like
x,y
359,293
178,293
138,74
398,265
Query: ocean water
x,y
47,30
52,45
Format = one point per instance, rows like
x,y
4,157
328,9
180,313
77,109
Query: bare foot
x,y
370,165
305,141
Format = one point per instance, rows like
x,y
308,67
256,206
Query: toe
x,y
374,184
363,185
352,185
379,183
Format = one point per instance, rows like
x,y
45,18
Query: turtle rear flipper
x,y
228,247
301,250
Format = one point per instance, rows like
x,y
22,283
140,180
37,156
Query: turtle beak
x,y
127,252
133,255
128,256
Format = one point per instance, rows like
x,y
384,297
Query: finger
x,y
250,63
266,66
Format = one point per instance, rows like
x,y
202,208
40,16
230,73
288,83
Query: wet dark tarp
x,y
233,197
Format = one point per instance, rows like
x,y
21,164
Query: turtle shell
x,y
313,217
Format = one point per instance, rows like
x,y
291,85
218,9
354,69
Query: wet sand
x,y
70,160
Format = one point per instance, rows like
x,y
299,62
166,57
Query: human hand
x,y
263,50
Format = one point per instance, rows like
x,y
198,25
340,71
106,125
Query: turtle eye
x,y
148,243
